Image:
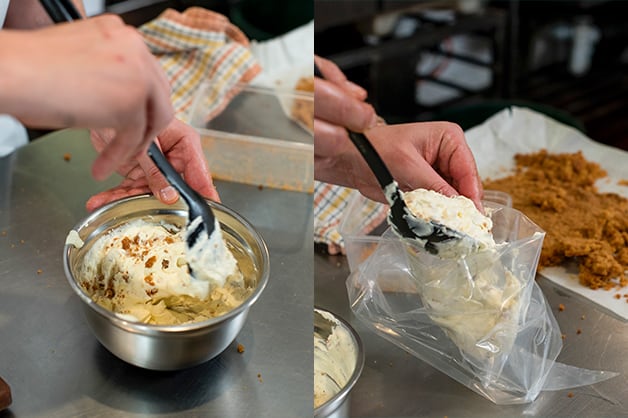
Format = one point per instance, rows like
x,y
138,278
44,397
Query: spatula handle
x,y
372,158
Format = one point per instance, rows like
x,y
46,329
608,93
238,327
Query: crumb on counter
x,y
259,377
578,331
67,156
570,395
561,307
240,348
39,271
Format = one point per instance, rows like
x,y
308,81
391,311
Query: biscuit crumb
x,y
558,192
67,156
563,336
617,296
240,348
578,331
39,271
570,395
582,317
303,108
561,307
260,187
259,377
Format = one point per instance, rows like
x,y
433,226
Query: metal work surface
x,y
56,367
395,384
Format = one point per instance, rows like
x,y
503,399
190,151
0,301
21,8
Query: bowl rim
x,y
337,400
140,327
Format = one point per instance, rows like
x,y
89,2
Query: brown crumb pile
x,y
303,109
557,192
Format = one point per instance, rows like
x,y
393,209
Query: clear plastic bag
x,y
481,320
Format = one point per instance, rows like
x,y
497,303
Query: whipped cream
x,y
140,271
209,258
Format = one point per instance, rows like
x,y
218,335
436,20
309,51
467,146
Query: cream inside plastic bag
x,y
481,320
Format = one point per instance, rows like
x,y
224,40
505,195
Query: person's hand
x,y
94,73
429,155
181,145
338,105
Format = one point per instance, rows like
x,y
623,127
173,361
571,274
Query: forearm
x,y
12,88
30,14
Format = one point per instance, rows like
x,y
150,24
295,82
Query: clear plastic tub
x,y
258,138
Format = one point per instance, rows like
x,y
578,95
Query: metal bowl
x,y
338,405
165,347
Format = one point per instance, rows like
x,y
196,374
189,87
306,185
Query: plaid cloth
x,y
198,46
330,202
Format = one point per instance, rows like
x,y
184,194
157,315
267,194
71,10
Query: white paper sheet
x,y
520,130
284,61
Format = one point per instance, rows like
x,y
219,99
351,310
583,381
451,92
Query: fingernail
x,y
357,90
375,121
168,194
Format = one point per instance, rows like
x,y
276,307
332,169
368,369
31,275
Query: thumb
x,y
157,182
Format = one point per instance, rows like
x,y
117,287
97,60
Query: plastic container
x,y
257,139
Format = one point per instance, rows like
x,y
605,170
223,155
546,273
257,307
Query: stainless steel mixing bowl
x,y
165,347
338,405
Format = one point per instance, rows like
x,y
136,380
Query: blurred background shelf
x,y
464,60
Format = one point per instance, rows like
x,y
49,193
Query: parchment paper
x,y
520,130
284,60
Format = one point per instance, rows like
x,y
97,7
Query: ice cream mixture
x,y
209,258
139,270
474,298
335,358
458,213
480,315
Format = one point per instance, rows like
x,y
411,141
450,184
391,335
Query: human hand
x,y
94,73
430,155
338,105
181,145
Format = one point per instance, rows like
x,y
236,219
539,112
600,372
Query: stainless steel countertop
x,y
56,367
395,384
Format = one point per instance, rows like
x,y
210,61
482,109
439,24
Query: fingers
x,y
430,155
157,182
455,160
329,139
110,195
332,104
333,74
118,151
199,178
